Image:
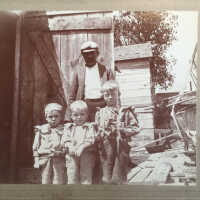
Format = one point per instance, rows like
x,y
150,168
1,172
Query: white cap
x,y
89,46
52,106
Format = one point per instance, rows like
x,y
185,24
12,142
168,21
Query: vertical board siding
x,y
70,44
135,87
189,117
56,41
26,101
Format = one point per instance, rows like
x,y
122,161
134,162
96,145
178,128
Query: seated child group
x,y
77,152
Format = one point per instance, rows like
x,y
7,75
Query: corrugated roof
x,y
133,51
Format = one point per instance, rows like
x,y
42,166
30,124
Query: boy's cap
x,y
52,106
89,46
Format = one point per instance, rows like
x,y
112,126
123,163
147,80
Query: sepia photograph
x,y
98,97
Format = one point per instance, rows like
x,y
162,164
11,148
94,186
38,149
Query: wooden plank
x,y
135,68
147,164
131,84
136,101
70,43
41,90
141,176
133,64
108,14
52,41
49,62
56,37
124,87
92,15
109,47
16,90
67,23
26,101
137,82
135,93
66,13
143,77
159,174
191,170
148,133
176,174
146,122
133,51
138,95
133,172
155,156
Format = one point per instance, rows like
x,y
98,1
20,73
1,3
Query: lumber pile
x,y
171,167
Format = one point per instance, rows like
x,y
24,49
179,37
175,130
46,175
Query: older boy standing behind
x,y
78,140
115,127
47,151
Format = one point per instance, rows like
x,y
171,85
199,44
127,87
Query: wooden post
x,y
15,113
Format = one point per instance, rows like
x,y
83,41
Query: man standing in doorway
x,y
87,78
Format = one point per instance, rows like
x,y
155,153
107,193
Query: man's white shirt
x,y
92,83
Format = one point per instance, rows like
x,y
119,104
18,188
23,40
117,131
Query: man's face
x,y
90,58
54,118
79,117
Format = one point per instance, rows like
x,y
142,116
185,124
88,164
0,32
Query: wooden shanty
x,y
136,86
47,44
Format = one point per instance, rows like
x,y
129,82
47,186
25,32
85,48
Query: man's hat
x,y
89,46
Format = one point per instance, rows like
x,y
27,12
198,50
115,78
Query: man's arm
x,y
73,84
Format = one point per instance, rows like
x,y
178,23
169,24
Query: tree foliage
x,y
157,27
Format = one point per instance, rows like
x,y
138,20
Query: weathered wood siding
x,y
135,87
50,42
7,62
135,83
188,117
